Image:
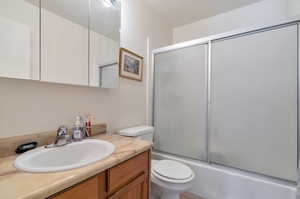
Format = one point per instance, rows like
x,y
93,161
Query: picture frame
x,y
131,65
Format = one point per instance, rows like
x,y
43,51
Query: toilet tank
x,y
140,132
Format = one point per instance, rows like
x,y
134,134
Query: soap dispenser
x,y
77,130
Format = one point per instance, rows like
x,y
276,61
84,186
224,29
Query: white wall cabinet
x,y
253,124
60,41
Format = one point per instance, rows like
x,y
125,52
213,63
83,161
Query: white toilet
x,y
169,178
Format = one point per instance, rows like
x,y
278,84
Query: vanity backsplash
x,y
9,145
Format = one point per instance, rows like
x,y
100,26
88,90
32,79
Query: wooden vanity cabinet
x,y
93,188
128,180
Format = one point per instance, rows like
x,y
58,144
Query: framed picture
x,y
131,65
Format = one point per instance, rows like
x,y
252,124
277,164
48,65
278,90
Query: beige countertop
x,y
15,184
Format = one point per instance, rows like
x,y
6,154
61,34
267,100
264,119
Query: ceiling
x,y
182,12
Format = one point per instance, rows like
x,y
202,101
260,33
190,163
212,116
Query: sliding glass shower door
x,y
180,102
249,121
253,123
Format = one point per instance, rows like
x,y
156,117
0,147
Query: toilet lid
x,y
173,170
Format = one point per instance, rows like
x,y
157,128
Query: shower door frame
x,y
208,41
178,47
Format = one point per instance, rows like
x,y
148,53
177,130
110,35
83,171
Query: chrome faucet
x,y
62,137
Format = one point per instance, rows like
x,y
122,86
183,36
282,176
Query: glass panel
x,y
105,43
65,41
254,103
19,41
180,102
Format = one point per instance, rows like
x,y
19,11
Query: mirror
x,y
65,41
80,42
105,43
19,41
61,41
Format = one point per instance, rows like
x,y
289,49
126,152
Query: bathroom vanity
x,y
123,175
129,179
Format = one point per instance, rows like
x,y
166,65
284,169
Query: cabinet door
x,y
104,44
137,189
65,41
85,190
19,41
254,102
93,188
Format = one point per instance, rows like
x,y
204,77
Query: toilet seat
x,y
172,171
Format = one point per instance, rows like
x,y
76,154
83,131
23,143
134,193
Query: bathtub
x,y
219,182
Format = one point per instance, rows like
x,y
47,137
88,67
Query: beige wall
x,y
28,107
264,12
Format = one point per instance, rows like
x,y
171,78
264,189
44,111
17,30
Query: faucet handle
x,y
62,131
62,137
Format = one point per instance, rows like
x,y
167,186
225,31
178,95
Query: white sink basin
x,y
71,156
